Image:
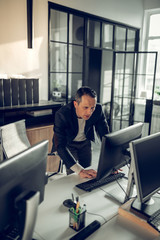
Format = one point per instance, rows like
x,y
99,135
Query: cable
x,y
126,196
97,215
121,186
105,220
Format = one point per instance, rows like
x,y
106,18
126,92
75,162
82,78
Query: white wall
x,y
151,4
16,58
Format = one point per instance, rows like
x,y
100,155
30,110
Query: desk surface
x,y
53,218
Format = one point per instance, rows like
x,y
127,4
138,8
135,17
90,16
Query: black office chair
x,y
53,155
106,109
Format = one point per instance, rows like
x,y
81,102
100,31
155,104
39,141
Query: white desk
x,y
53,218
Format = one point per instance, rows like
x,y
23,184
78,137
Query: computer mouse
x,y
69,203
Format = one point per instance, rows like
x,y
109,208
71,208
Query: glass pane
x,y
58,57
140,87
145,77
76,29
129,68
154,30
106,76
107,36
119,75
127,86
139,110
119,63
154,45
124,124
58,86
115,125
118,87
93,34
75,82
118,101
75,58
120,38
58,26
155,124
131,40
126,108
150,63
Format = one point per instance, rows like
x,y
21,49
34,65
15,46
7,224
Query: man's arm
x,y
90,173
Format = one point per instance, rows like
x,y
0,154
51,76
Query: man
x,y
74,130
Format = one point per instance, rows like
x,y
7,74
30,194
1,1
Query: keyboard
x,y
11,233
94,183
154,220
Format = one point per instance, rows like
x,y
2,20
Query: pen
x,y
77,207
84,207
72,197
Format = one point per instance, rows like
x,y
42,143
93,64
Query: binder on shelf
x,y
29,90
35,90
22,91
7,92
1,92
15,91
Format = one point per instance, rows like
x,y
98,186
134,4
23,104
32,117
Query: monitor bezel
x,y
136,174
15,180
127,134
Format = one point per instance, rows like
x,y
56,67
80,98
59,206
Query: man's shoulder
x,y
66,109
98,107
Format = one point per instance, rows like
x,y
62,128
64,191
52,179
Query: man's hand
x,y
117,171
90,173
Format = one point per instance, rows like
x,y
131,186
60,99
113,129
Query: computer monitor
x,y
22,181
145,159
114,152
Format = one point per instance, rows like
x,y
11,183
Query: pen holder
x,y
77,218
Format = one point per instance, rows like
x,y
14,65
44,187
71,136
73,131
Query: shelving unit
x,y
9,114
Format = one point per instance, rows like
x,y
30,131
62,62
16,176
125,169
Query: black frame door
x,y
133,89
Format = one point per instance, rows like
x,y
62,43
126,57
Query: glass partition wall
x,y
82,52
133,89
65,54
81,48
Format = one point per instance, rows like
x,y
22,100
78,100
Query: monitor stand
x,y
131,182
147,208
27,206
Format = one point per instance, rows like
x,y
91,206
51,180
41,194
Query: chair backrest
x,y
106,108
13,138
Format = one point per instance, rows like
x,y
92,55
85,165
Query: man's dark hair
x,y
84,91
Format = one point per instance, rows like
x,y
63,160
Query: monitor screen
x,y
25,173
145,157
114,152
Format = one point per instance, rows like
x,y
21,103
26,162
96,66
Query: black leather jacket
x,y
66,129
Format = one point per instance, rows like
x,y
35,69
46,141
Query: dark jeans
x,y
81,152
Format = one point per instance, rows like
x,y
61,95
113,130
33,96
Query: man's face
x,y
86,107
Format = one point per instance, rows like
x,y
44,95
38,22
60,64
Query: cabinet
x,y
39,133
